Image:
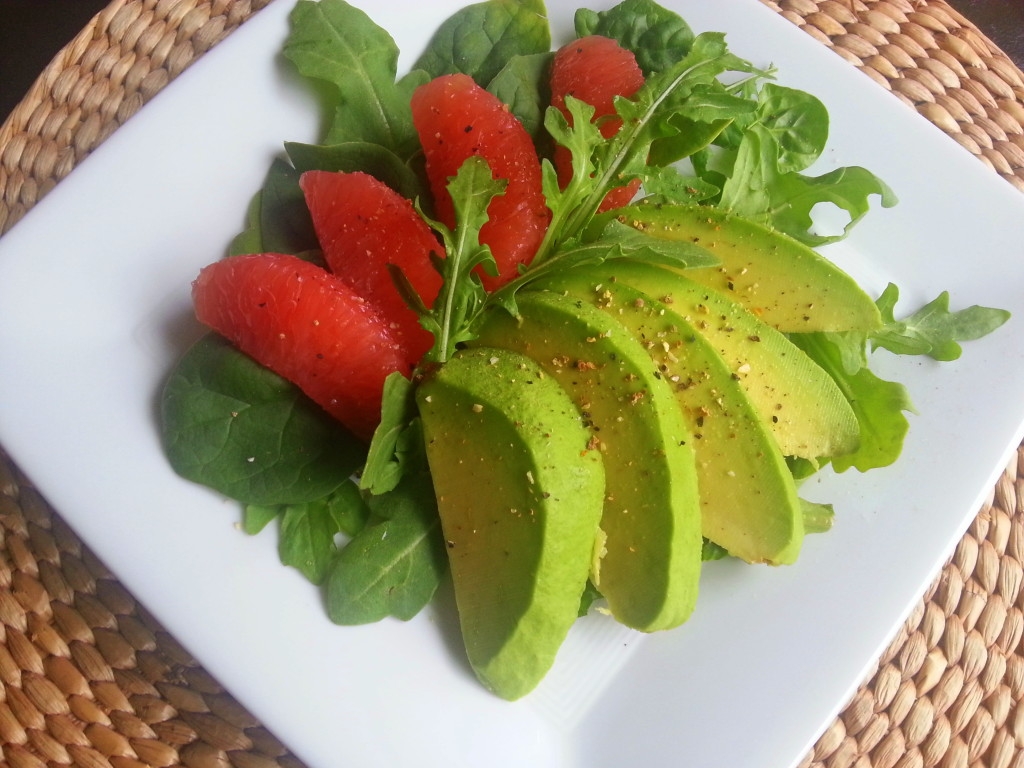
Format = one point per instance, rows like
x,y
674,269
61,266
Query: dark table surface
x,y
33,31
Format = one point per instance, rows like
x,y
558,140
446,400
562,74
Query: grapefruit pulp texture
x,y
594,69
457,119
363,225
306,325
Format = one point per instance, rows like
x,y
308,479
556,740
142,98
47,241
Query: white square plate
x,y
94,286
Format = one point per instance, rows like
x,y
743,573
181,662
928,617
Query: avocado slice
x,y
748,497
520,499
807,413
782,281
650,567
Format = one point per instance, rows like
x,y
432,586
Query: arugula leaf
x,y
392,566
385,461
583,139
633,244
659,112
590,595
616,241
711,551
801,468
761,175
690,138
479,39
932,330
690,85
657,36
664,109
847,188
878,404
818,518
462,295
336,43
670,184
232,425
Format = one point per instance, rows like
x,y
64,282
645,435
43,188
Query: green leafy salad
x,y
624,354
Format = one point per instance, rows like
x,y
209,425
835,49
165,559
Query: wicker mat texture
x,y
90,679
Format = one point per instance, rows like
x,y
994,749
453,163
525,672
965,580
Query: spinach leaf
x,y
277,220
307,540
798,124
250,239
308,531
348,509
687,139
392,566
523,85
373,159
932,330
336,43
657,37
479,39
244,431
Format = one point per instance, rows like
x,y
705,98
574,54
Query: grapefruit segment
x,y
363,225
306,325
594,69
457,119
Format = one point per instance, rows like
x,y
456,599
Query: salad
x,y
550,321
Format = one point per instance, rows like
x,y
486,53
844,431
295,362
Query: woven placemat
x,y
90,679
